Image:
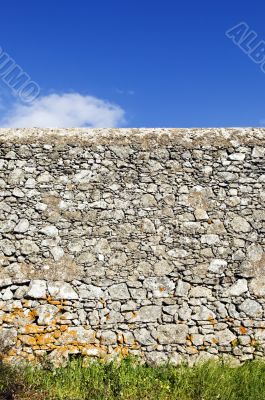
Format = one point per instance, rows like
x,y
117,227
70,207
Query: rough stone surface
x,y
142,241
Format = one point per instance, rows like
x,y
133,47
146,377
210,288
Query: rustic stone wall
x,y
145,241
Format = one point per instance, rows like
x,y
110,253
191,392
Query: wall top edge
x,y
145,137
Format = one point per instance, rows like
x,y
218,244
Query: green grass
x,y
130,380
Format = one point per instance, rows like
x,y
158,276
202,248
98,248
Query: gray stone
x,y
240,224
7,247
28,247
237,289
255,252
182,288
258,151
147,226
251,308
7,294
203,313
75,245
50,231
162,268
200,291
148,200
18,192
22,226
172,333
210,239
159,286
7,226
108,337
257,286
156,358
61,290
119,291
147,314
225,337
46,314
37,289
144,337
8,338
217,266
90,292
57,252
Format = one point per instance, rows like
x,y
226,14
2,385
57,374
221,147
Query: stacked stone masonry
x,y
142,241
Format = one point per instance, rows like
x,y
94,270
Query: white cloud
x,y
66,110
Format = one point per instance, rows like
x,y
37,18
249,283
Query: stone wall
x,y
148,242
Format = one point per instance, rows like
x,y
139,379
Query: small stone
x,y
182,288
144,337
102,247
148,200
240,224
200,214
204,314
8,338
119,291
37,289
237,156
18,193
77,335
210,239
7,226
46,314
225,337
257,286
5,282
91,292
50,231
200,291
57,253
171,310
45,177
156,358
22,226
238,288
172,333
28,247
61,290
147,226
8,294
108,337
258,152
162,268
251,308
217,266
255,252
147,314
30,183
138,293
7,247
159,286
75,245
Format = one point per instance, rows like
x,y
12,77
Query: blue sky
x,y
141,63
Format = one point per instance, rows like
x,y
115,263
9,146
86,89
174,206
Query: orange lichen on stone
x,y
212,320
243,330
63,328
45,338
215,341
27,339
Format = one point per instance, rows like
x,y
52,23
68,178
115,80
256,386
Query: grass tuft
x,y
131,380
